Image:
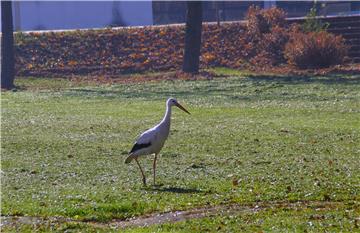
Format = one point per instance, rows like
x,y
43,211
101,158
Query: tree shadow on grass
x,y
340,78
113,94
235,91
174,189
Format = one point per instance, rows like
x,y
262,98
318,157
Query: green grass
x,y
283,138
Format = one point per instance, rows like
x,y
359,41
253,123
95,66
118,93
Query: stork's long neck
x,y
167,116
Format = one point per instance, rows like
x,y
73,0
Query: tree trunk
x,y
192,37
7,46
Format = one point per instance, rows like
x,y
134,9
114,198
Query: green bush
x,y
313,24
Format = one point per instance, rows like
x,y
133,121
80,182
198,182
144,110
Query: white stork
x,y
152,140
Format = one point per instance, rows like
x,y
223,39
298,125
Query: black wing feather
x,y
139,146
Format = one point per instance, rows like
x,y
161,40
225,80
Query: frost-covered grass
x,y
249,138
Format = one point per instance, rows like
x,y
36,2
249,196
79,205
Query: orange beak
x,y
182,108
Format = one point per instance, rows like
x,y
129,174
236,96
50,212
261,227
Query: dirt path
x,y
174,216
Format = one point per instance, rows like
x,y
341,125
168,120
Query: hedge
x,y
260,43
125,50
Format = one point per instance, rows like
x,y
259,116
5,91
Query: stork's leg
x,y
154,167
142,172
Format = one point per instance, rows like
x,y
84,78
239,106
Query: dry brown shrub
x,y
315,49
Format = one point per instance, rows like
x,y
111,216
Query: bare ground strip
x,y
173,216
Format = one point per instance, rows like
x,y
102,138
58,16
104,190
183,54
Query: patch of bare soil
x,y
174,216
101,79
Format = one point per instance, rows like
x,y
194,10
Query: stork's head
x,y
173,102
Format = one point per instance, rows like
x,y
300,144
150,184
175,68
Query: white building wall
x,y
269,3
137,13
49,15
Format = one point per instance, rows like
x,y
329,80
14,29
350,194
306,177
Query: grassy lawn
x,y
249,139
